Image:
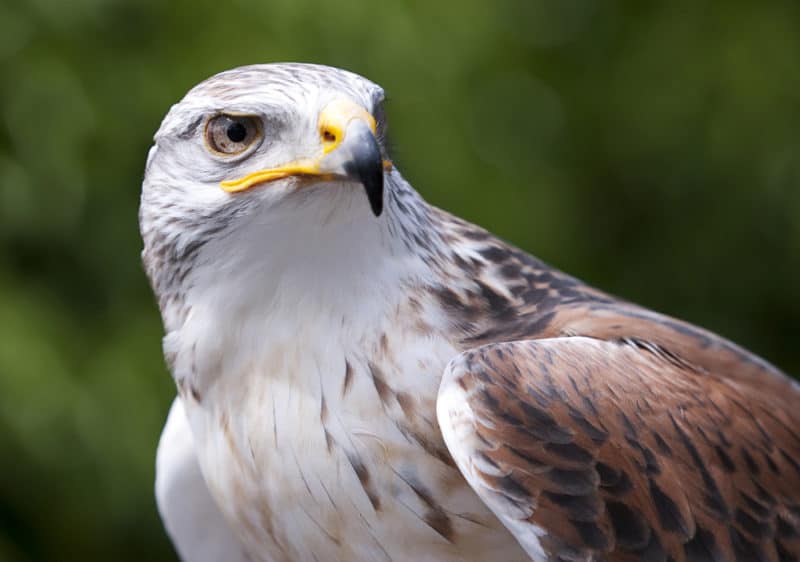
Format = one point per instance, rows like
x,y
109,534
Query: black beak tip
x,y
374,188
366,167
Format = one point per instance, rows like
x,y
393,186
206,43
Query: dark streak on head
x,y
188,132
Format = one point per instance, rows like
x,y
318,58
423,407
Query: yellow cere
x,y
333,121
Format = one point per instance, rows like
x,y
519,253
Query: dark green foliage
x,y
652,149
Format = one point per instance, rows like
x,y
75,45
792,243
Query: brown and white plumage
x,y
597,430
401,385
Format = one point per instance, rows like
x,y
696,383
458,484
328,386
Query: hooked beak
x,y
350,152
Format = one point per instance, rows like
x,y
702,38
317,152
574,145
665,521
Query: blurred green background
x,y
652,149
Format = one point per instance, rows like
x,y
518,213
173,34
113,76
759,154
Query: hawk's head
x,y
283,127
268,159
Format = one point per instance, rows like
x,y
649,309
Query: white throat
x,y
326,265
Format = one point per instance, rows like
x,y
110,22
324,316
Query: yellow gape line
x,y
307,167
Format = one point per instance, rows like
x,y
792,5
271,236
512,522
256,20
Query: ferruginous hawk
x,y
366,377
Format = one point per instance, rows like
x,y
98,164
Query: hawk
x,y
364,377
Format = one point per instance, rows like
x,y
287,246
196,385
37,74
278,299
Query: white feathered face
x,y
265,133
259,142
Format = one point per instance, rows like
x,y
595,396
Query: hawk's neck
x,y
308,280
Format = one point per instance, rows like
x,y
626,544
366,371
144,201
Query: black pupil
x,y
236,131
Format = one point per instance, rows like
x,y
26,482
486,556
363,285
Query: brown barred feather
x,y
617,433
643,444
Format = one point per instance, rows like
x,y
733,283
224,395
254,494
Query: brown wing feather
x,y
639,444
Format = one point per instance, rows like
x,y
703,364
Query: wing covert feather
x,y
604,450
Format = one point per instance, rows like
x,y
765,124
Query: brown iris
x,y
232,134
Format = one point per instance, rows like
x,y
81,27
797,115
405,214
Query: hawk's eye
x,y
232,134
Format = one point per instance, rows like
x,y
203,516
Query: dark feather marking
x,y
438,520
364,478
745,550
449,298
662,445
406,402
651,462
510,419
474,233
751,463
609,475
530,461
589,405
435,516
591,534
723,439
348,378
471,519
786,529
499,306
495,254
662,352
597,435
654,551
488,460
631,435
323,409
432,447
540,398
574,481
578,508
703,548
770,463
621,484
510,270
188,132
668,513
381,386
543,425
570,451
511,488
757,509
630,527
713,497
757,529
524,327
725,459
791,460
187,252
